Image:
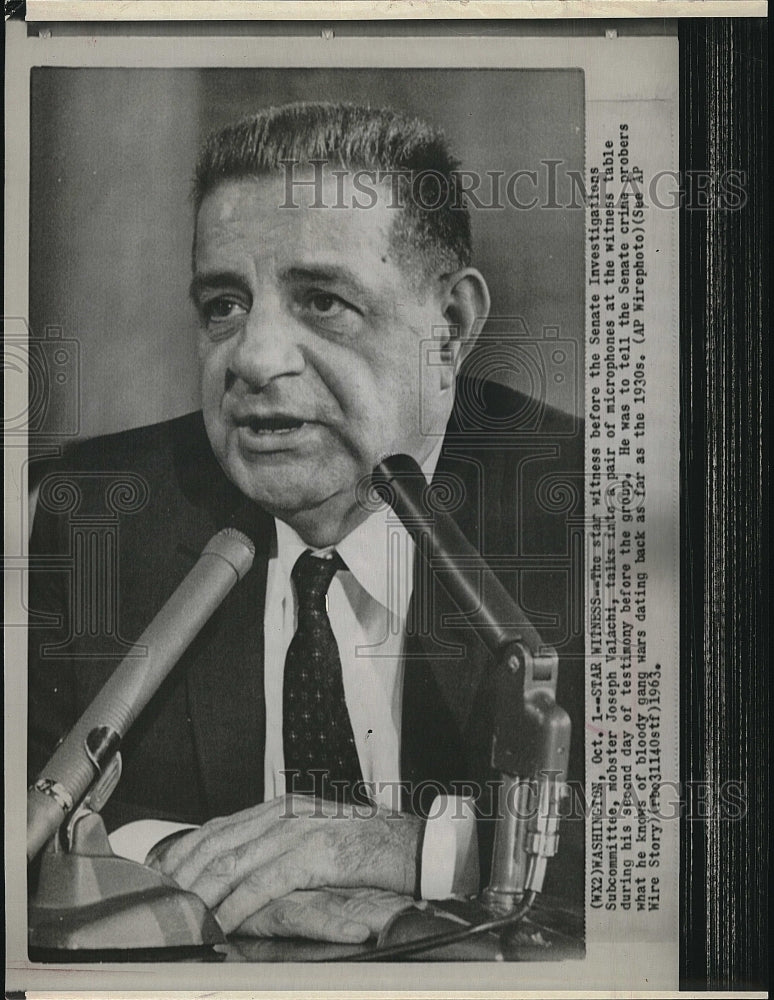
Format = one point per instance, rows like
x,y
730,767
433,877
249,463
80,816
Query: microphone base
x,y
91,905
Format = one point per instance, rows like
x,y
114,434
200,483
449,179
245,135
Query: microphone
x,y
464,575
93,741
531,733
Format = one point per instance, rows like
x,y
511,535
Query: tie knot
x,y
312,576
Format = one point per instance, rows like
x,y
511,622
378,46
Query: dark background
x,y
112,156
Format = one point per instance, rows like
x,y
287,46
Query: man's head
x,y
334,313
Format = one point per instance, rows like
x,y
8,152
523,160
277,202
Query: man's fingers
x,y
260,887
218,837
190,846
316,915
157,855
372,907
344,916
210,847
243,862
299,851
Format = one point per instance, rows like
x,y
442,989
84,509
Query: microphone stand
x,y
530,747
531,732
86,903
530,744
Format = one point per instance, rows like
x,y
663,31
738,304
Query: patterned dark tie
x,y
317,733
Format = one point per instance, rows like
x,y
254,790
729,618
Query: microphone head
x,y
399,482
235,547
394,465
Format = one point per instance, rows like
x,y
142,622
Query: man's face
x,y
311,346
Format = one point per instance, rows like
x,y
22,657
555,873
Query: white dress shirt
x,y
367,607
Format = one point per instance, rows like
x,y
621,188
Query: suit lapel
x,y
226,698
224,675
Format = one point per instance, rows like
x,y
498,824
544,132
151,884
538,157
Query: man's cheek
x,y
364,441
206,352
213,364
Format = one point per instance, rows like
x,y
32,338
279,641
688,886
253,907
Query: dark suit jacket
x,y
122,518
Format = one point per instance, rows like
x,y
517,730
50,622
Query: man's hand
x,y
238,864
345,916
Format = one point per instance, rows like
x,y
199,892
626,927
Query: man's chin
x,y
284,488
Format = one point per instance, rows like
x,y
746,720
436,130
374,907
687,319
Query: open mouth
x,y
279,424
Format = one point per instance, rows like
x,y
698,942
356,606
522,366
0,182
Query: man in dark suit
x,y
337,302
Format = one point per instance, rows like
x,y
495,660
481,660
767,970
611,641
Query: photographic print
x,y
344,589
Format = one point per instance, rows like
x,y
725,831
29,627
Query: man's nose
x,y
268,348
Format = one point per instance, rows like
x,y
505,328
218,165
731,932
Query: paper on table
x,y
134,840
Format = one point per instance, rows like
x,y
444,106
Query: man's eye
x,y
326,304
222,309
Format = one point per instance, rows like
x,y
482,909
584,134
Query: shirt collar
x,y
361,548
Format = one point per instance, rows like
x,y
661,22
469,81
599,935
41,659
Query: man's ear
x,y
465,308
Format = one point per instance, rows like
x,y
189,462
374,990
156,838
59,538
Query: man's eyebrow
x,y
324,272
213,279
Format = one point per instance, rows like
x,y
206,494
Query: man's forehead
x,y
302,198
254,213
246,223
